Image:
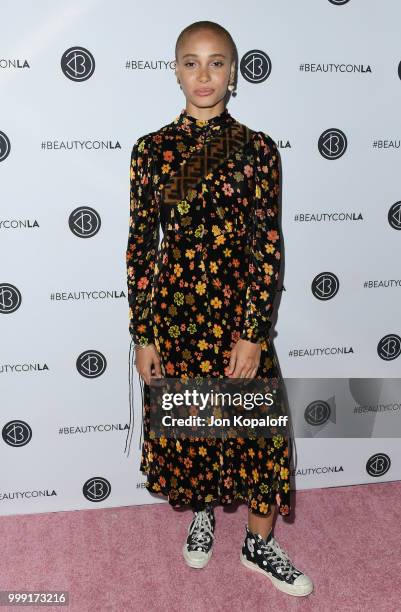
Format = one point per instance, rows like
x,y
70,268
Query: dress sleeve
x,y
265,242
143,242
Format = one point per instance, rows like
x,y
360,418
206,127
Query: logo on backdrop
x,y
332,144
84,222
317,413
325,286
255,66
389,347
77,64
91,364
338,1
394,216
5,146
96,489
10,298
16,433
378,464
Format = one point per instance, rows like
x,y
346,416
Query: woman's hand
x,y
146,358
244,360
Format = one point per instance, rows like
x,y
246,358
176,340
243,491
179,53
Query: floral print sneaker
x,y
198,547
268,558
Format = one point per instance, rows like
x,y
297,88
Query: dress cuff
x,y
256,333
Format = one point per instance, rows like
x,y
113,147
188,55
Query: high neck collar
x,y
193,126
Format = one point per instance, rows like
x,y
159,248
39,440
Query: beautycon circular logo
x,y
5,146
332,144
394,216
84,222
77,64
96,489
91,364
378,464
16,433
255,66
325,286
10,298
317,413
389,347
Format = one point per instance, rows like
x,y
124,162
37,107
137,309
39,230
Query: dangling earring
x,y
231,86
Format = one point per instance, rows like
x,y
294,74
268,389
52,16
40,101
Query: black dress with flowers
x,y
213,187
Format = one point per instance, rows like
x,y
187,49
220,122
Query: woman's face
x,y
203,68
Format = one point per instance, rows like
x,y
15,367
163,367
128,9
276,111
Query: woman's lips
x,y
203,92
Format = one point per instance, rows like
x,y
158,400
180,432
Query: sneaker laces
x,y
201,529
279,558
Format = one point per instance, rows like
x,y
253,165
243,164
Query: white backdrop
x,y
80,82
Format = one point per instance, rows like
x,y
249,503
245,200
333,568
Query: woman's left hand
x,y
244,360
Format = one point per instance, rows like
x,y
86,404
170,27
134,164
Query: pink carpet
x,y
347,539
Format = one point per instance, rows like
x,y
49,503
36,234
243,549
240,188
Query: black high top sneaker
x,y
198,547
268,558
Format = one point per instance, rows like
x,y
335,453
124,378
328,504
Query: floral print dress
x,y
213,187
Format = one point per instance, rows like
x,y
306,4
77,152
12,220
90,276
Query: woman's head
x,y
206,63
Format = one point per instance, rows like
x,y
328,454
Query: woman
x,y
200,304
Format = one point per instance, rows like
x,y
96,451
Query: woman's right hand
x,y
146,359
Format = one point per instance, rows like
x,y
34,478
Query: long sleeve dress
x,y
213,187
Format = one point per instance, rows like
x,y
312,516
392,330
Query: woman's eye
x,y
218,62
188,63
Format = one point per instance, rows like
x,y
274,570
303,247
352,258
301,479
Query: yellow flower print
x,y
242,472
213,266
278,441
178,298
192,194
284,472
174,331
192,328
216,303
200,288
202,451
220,240
268,269
263,507
200,230
217,330
190,253
178,270
205,366
183,207
202,345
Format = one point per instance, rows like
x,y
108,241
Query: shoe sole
x,y
285,588
195,564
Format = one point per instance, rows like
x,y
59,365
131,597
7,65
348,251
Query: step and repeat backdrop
x,y
80,82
